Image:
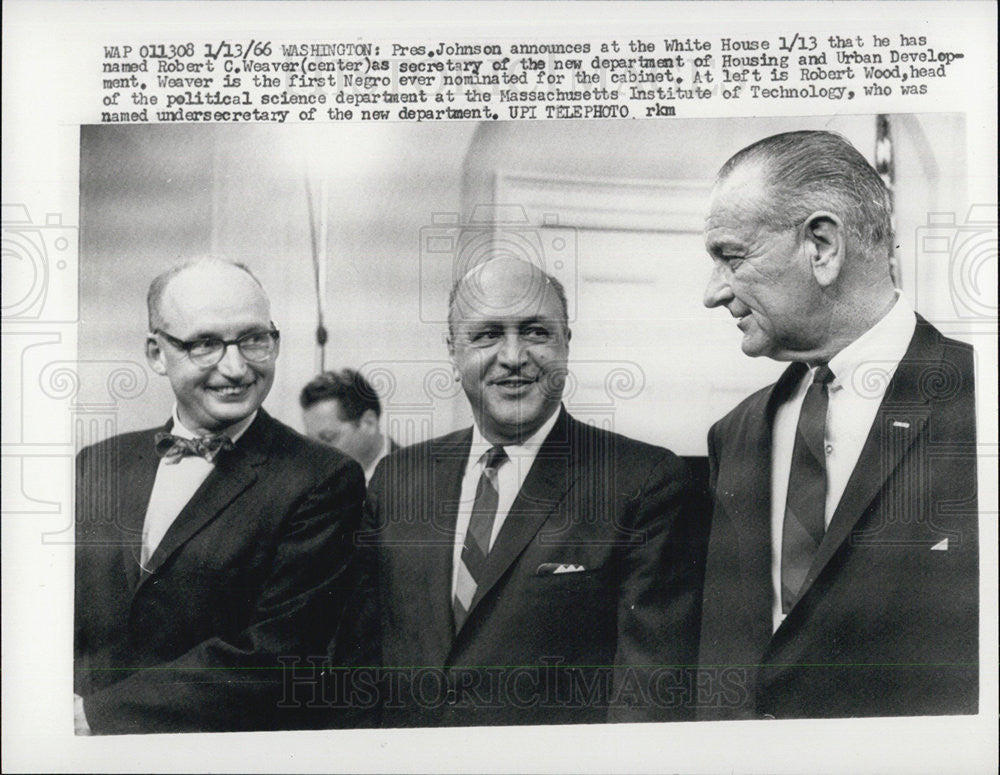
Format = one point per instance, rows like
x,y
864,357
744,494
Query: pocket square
x,y
940,546
552,568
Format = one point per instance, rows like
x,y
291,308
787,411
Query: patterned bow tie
x,y
173,448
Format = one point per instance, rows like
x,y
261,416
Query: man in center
x,y
531,569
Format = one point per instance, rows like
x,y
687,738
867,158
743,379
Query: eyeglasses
x,y
256,347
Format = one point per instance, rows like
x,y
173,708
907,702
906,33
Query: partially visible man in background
x,y
341,408
210,552
842,574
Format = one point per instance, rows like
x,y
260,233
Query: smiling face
x,y
221,301
509,346
763,276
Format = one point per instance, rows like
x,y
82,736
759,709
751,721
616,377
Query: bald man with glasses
x,y
211,551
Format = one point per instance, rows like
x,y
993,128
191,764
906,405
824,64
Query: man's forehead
x,y
539,303
737,200
483,318
328,408
744,183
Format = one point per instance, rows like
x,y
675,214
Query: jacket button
x,y
451,697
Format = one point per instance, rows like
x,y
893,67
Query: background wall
x,y
615,209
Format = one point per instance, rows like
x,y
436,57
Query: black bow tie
x,y
173,448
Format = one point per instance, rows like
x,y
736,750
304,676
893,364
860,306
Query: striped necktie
x,y
477,536
805,506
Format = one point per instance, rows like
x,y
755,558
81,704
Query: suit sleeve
x,y
659,604
713,461
244,682
355,651
358,643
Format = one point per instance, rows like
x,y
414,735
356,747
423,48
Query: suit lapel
x,y
138,466
746,493
234,472
552,473
900,421
449,458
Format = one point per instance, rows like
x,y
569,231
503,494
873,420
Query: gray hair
x,y
818,170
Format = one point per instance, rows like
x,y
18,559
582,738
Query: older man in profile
x,y
531,569
842,563
210,551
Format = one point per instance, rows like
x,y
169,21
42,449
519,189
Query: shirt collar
x,y
233,431
882,346
527,448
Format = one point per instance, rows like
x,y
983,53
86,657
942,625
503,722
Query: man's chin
x,y
754,347
515,423
225,414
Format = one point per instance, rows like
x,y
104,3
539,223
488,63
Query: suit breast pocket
x,y
574,602
570,572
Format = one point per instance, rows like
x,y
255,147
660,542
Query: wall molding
x,y
628,204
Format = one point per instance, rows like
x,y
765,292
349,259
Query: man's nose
x,y
511,352
233,364
717,291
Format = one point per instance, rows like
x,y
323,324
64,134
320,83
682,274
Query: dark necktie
x,y
173,448
805,505
477,536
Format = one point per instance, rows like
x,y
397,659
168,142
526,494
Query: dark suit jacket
x,y
251,570
537,648
888,622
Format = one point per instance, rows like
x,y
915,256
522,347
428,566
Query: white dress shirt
x,y
861,374
174,485
510,476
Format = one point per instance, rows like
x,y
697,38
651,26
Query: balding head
x,y
208,272
532,286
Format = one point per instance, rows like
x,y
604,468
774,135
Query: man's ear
x,y
451,358
155,356
826,240
369,419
